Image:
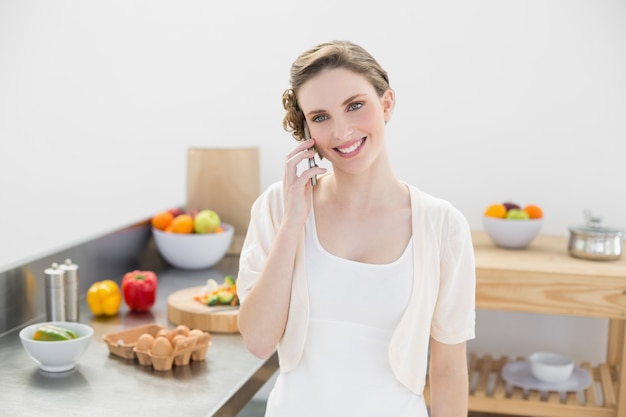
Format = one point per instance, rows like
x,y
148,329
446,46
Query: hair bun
x,y
289,100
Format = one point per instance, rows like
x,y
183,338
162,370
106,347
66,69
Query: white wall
x,y
99,101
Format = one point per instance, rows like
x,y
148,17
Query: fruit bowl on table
x,y
56,355
512,234
509,226
194,250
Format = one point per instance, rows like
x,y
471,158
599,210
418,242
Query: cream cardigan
x,y
442,303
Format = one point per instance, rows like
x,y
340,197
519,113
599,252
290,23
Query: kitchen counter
x,y
106,385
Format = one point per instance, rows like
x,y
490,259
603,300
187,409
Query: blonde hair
x,y
334,54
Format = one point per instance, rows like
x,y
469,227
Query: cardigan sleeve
x,y
454,316
266,215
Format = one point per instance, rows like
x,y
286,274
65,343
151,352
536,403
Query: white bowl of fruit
x,y
191,239
512,226
56,346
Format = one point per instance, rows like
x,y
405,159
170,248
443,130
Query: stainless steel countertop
x,y
106,385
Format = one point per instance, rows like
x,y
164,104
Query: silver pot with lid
x,y
595,240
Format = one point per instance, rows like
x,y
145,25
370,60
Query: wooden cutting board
x,y
183,309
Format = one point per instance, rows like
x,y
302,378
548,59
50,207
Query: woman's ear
x,y
388,101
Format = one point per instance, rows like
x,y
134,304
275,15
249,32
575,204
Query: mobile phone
x,y
307,136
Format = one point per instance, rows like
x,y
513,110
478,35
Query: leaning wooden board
x,y
183,309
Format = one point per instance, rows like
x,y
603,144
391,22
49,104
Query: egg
x,y
201,336
195,332
179,339
171,334
182,329
162,333
162,347
144,343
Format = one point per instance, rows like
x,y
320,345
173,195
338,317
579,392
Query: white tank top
x,y
344,369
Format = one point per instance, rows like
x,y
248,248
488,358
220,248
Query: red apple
x,y
176,211
510,205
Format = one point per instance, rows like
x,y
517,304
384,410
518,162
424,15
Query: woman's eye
x,y
320,118
355,106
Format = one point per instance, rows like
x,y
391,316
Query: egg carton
x,y
124,344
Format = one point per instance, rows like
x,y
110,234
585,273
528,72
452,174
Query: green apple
x,y
206,221
517,214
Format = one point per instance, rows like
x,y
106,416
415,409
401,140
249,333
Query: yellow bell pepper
x,y
104,298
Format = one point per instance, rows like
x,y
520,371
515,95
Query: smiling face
x,y
346,117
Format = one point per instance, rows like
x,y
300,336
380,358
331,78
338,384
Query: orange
x,y
183,223
162,220
534,212
496,210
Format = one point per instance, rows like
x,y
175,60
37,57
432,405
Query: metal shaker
x,y
55,293
72,306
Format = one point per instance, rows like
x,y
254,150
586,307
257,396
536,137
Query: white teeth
x,y
350,148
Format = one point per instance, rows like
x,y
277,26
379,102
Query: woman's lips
x,y
349,150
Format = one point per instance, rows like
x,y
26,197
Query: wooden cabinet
x,y
543,278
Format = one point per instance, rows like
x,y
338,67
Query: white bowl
x,y
512,234
551,367
57,356
194,250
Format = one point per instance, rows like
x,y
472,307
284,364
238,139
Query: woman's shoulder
x,y
427,200
439,216
274,192
433,205
270,200
275,189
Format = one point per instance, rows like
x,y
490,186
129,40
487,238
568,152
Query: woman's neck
x,y
376,187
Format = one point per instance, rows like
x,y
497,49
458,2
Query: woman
x,y
356,278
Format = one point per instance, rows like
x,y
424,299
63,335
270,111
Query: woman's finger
x,y
307,144
295,157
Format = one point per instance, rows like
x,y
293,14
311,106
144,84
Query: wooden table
x,y
543,278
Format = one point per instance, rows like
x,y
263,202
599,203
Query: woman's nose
x,y
342,130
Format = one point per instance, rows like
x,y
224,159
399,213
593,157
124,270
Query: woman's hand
x,y
297,189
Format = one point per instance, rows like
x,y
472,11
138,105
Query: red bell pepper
x,y
139,288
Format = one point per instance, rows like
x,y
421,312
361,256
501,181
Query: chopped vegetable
x,y
52,333
212,300
219,295
225,297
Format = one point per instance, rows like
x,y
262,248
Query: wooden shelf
x,y
489,393
543,278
